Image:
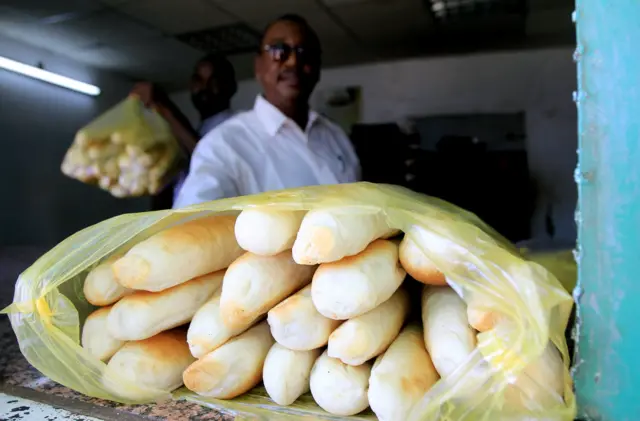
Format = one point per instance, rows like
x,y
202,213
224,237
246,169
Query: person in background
x,y
212,86
280,143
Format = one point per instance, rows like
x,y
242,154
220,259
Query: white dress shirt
x,y
207,125
262,150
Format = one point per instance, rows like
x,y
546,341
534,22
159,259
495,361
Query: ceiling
x,y
145,39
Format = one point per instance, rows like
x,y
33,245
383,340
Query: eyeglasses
x,y
281,52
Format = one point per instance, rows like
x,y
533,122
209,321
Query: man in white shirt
x,y
280,143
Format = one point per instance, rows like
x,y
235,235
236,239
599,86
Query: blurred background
x,y
468,100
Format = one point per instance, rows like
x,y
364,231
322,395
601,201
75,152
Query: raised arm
x,y
155,97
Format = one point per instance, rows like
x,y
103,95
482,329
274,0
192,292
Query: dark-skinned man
x,y
280,143
212,85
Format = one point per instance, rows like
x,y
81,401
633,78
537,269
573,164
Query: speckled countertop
x,y
16,375
18,378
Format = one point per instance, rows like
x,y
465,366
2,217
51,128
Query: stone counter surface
x,y
18,377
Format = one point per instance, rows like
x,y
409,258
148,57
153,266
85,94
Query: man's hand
x,y
151,95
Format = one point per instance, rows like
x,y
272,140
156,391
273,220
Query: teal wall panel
x,y
607,366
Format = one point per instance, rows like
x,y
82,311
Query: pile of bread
x,y
119,163
298,300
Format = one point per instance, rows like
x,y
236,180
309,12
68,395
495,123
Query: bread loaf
x,y
267,232
481,312
286,373
328,235
481,320
357,284
232,369
254,284
366,336
540,385
206,330
95,337
447,334
179,254
296,324
401,376
338,388
418,265
157,362
143,314
100,286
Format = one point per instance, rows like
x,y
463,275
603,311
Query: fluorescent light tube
x,y
53,78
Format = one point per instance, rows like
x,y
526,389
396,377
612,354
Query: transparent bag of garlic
x,y
128,151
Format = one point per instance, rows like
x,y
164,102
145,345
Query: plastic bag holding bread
x,y
128,151
49,307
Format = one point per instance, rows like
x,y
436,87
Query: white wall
x,y
40,206
539,82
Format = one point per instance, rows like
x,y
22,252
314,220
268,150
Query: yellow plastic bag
x,y
128,151
49,307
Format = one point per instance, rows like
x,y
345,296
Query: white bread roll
x,y
481,320
286,373
157,362
481,312
267,232
418,265
338,388
370,334
328,235
254,284
447,334
232,369
401,376
179,254
100,286
540,385
207,331
357,284
95,337
143,314
296,324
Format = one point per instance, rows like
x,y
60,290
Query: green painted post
x,y
607,366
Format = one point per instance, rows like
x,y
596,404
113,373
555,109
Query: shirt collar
x,y
273,119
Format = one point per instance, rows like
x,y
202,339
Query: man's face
x,y
288,64
204,88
